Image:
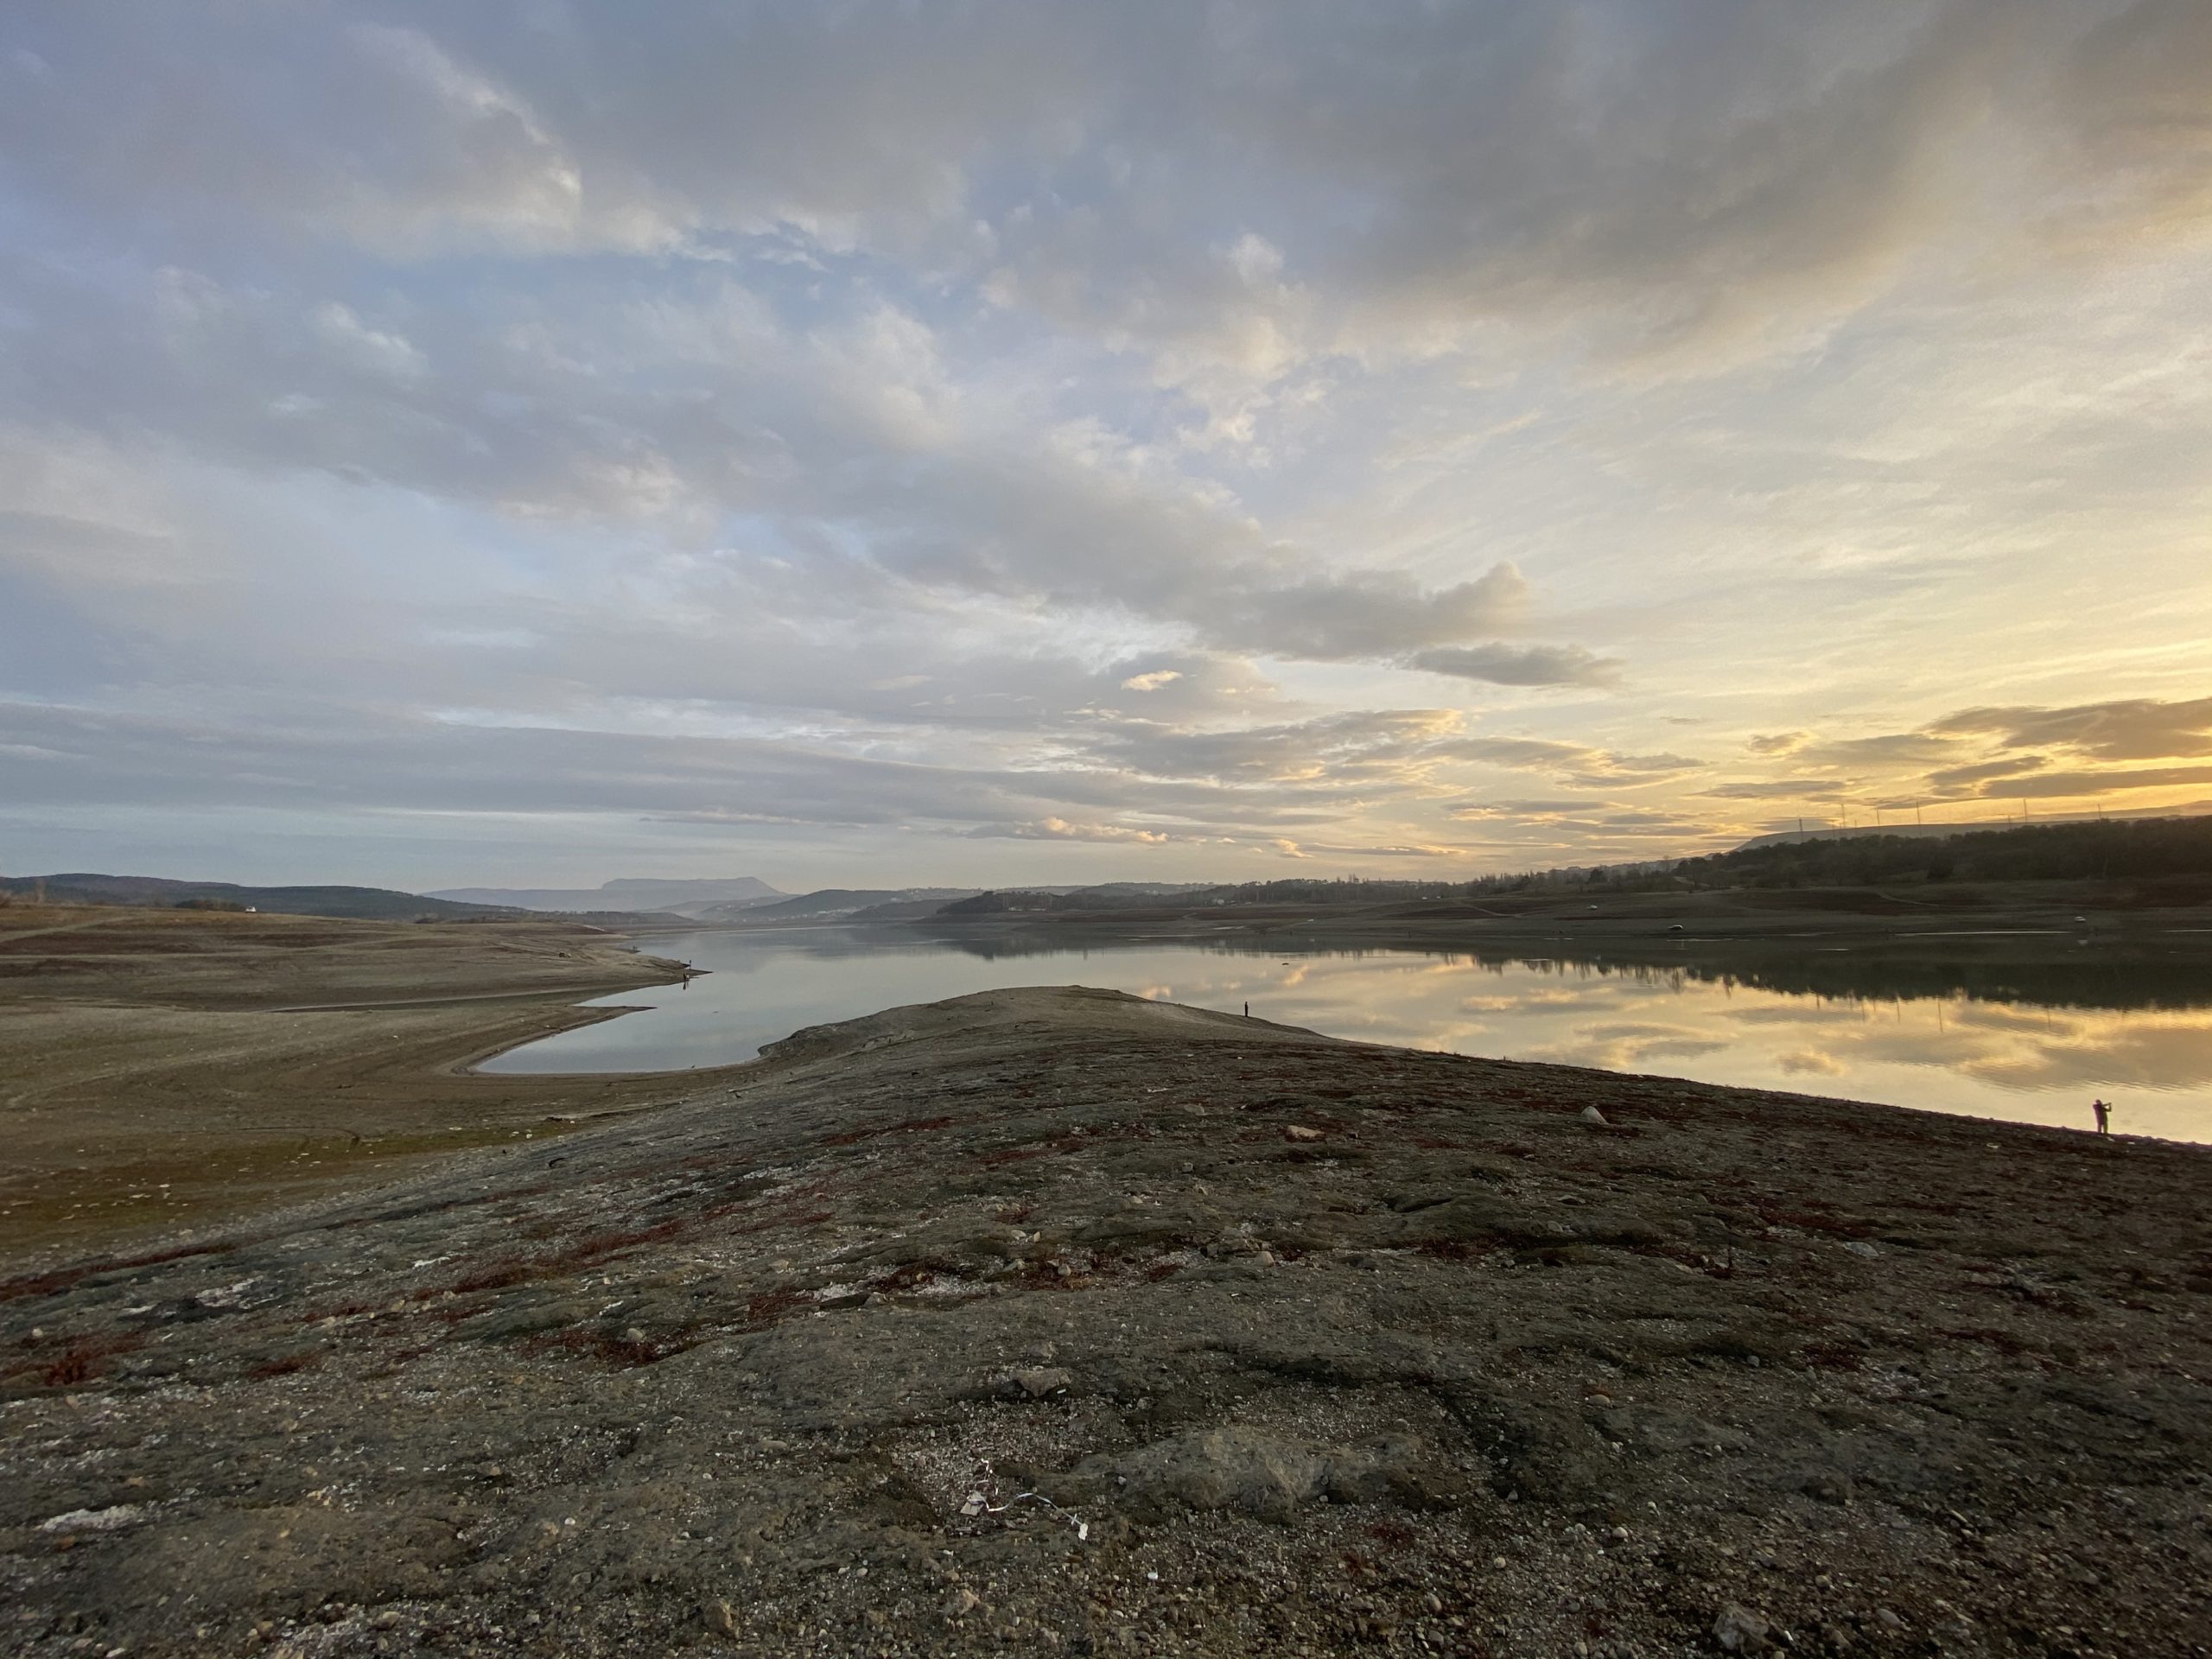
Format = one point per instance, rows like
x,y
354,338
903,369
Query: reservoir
x,y
1976,1034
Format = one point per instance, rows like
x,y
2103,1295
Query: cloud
x,y
1374,616
373,349
1532,754
1661,765
1365,750
1954,778
855,459
1995,752
1574,764
1390,851
1529,809
1780,789
1589,823
343,757
2090,783
1502,665
1889,749
1492,158
1778,742
1061,829
2133,729
999,418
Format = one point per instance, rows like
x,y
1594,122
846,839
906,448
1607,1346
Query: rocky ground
x,y
1057,1322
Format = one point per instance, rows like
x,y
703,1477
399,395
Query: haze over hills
x,y
2074,849
371,904
829,902
908,904
642,893
2146,850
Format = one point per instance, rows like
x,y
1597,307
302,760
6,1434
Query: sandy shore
x,y
1059,1322
165,1070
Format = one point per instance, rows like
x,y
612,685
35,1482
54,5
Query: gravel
x,y
1023,1324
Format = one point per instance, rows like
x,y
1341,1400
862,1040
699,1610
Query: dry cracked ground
x,y
1054,1322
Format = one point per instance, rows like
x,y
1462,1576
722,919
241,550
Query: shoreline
x,y
170,1072
1319,1344
167,1061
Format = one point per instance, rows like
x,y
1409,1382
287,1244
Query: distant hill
x,y
831,903
2131,849
2076,849
897,910
1110,890
629,893
369,904
1975,827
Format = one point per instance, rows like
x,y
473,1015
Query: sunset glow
x,y
1020,442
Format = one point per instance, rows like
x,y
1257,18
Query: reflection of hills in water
x,y
2107,983
2040,971
2028,1027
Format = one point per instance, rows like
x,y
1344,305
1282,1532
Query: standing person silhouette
x,y
2104,1116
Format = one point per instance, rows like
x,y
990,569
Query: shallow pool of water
x,y
2034,1045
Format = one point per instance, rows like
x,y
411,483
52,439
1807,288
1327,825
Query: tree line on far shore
x,y
2120,850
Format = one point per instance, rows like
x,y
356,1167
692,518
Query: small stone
x,y
1300,1132
721,1617
963,1602
108,1520
1739,1630
1043,1380
1591,1115
635,1336
1889,1619
1266,1258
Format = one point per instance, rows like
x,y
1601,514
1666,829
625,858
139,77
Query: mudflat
x,y
164,1069
1061,1322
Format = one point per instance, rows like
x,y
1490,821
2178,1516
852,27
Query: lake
x,y
2031,1041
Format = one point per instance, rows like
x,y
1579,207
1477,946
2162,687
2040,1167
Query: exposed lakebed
x,y
2031,1039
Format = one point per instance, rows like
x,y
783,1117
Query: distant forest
x,y
2124,849
2118,850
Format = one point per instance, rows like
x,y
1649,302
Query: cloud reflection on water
x,y
1945,1052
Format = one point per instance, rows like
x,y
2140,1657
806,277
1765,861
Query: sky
x,y
534,441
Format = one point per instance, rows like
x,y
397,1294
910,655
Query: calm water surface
x,y
2032,1044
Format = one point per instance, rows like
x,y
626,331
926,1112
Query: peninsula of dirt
x,y
1058,1322
161,1069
